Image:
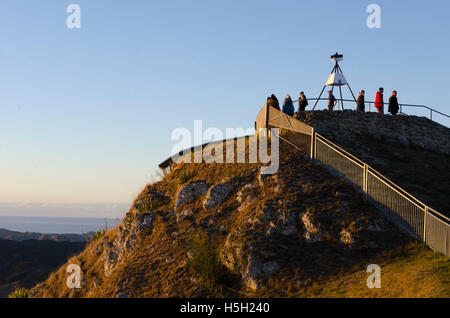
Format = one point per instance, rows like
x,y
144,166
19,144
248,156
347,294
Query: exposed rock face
x,y
190,191
184,214
125,241
243,258
286,223
347,238
216,194
243,192
312,232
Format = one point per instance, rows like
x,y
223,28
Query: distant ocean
x,y
52,225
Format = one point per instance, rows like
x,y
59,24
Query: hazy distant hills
x,y
24,236
25,263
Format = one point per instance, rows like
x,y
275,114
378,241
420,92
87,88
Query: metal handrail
x,y
432,110
376,174
343,152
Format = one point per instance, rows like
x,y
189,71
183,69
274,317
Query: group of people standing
x,y
379,102
289,109
288,105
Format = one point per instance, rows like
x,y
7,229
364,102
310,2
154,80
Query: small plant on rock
x,y
98,235
150,206
205,261
184,177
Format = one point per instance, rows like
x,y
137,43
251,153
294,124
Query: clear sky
x,y
86,114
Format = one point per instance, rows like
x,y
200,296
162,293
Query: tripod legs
x,y
317,101
342,100
351,92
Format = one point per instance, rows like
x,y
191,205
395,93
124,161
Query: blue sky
x,y
86,114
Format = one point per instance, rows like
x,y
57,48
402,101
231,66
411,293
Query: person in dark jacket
x,y
332,101
393,104
288,106
360,102
302,102
273,102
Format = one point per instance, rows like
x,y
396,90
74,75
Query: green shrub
x,y
148,206
98,235
205,261
184,177
19,292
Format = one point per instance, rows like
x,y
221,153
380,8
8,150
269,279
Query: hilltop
x,y
226,230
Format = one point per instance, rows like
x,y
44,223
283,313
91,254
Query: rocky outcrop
x,y
190,191
216,194
184,214
285,223
125,241
243,259
312,231
346,238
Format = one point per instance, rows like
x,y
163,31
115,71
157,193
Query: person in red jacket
x,y
379,103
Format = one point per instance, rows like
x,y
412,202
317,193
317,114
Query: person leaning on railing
x,y
360,102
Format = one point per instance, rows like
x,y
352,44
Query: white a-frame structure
x,y
336,78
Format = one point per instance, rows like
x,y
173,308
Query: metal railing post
x,y
313,135
365,179
315,146
446,241
425,225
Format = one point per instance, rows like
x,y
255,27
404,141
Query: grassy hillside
x,y
225,230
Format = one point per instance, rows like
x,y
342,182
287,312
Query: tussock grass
x,y
184,177
205,260
98,235
20,292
